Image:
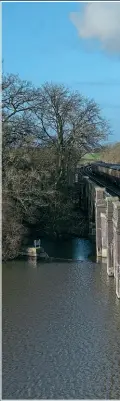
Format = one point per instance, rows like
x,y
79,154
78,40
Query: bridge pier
x,y
116,244
109,234
100,207
103,235
88,194
118,281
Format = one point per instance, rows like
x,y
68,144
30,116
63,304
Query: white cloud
x,y
99,21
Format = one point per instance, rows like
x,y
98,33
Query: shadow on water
x,y
74,248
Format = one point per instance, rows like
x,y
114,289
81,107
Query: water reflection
x,y
81,249
61,328
76,248
32,262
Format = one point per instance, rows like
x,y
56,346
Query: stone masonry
x,y
103,212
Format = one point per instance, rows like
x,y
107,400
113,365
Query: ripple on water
x,y
61,332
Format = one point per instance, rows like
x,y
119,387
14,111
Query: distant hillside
x,y
109,153
90,157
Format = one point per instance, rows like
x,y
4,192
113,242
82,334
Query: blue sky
x,y
41,43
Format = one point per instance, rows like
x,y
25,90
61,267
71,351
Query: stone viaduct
x,y
103,212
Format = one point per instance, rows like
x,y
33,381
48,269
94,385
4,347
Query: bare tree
x,y
72,123
52,113
45,133
111,153
17,97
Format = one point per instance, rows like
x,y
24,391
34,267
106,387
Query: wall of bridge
x,y
103,212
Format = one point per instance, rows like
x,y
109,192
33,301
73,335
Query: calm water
x,y
75,248
61,329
